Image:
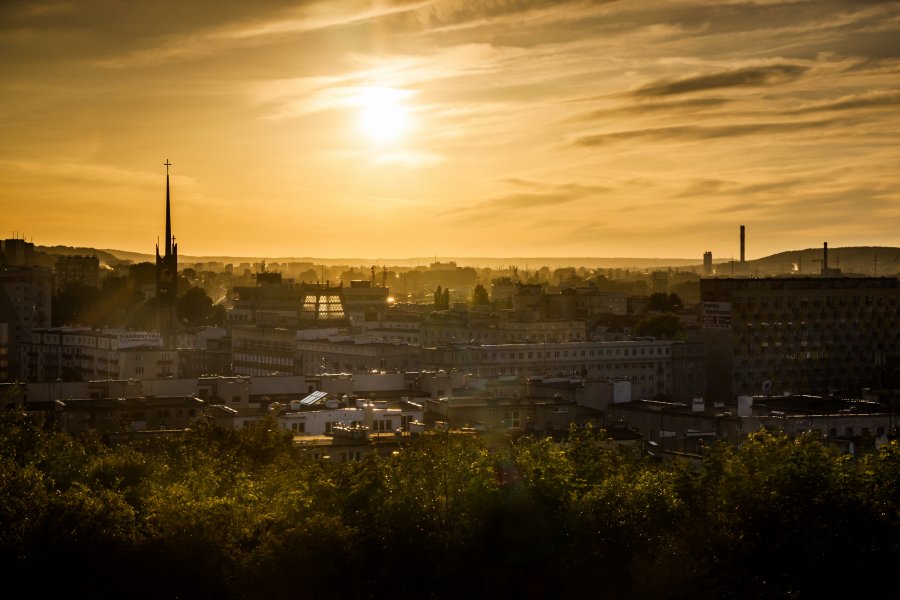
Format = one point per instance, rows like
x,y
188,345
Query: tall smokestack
x,y
825,259
742,243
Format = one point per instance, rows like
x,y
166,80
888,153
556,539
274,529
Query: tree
x,y
662,302
666,325
194,306
441,298
480,296
437,298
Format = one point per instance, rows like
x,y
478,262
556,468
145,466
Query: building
x,y
167,280
798,335
25,305
851,425
448,327
647,364
515,416
76,270
319,413
362,297
110,416
261,350
16,253
352,354
80,354
390,326
707,263
278,302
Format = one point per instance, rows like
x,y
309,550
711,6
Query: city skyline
x,y
400,129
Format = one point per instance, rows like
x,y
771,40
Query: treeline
x,y
121,302
245,515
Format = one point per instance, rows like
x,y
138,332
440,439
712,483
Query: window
x,y
512,419
235,398
382,425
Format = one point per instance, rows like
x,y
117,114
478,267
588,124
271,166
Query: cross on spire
x,y
167,164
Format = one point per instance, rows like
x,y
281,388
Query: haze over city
x,y
457,128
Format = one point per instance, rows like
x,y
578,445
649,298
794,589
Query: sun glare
x,y
384,118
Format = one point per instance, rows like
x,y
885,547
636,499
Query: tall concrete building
x,y
707,263
25,299
798,335
16,253
76,270
167,279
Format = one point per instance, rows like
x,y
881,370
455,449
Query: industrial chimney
x,y
742,244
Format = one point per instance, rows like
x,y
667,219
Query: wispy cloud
x,y
874,99
738,78
528,195
700,133
298,21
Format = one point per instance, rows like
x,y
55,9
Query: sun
x,y
384,117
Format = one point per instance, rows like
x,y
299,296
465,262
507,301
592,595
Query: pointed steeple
x,y
168,213
167,277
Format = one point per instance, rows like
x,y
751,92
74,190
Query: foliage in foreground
x,y
221,514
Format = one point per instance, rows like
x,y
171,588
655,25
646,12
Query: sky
x,y
646,128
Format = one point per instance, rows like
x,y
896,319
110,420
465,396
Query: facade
x,y
16,253
347,354
390,326
467,327
260,350
326,414
688,427
167,280
647,364
276,302
77,270
25,305
361,297
123,415
507,414
799,335
582,303
77,354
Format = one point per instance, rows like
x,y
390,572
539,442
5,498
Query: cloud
x,y
533,195
736,78
644,108
876,99
701,187
243,32
690,133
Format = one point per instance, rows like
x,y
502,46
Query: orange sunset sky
x,y
466,128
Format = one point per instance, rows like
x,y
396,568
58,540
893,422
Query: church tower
x,y
167,279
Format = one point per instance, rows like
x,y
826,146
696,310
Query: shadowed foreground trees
x,y
223,514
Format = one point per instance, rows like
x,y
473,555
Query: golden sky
x,y
467,128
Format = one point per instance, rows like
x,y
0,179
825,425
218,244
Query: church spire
x,y
168,246
167,278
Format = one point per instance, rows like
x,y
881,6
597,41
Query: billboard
x,y
133,339
717,315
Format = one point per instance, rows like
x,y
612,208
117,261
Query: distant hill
x,y
462,261
851,260
106,257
